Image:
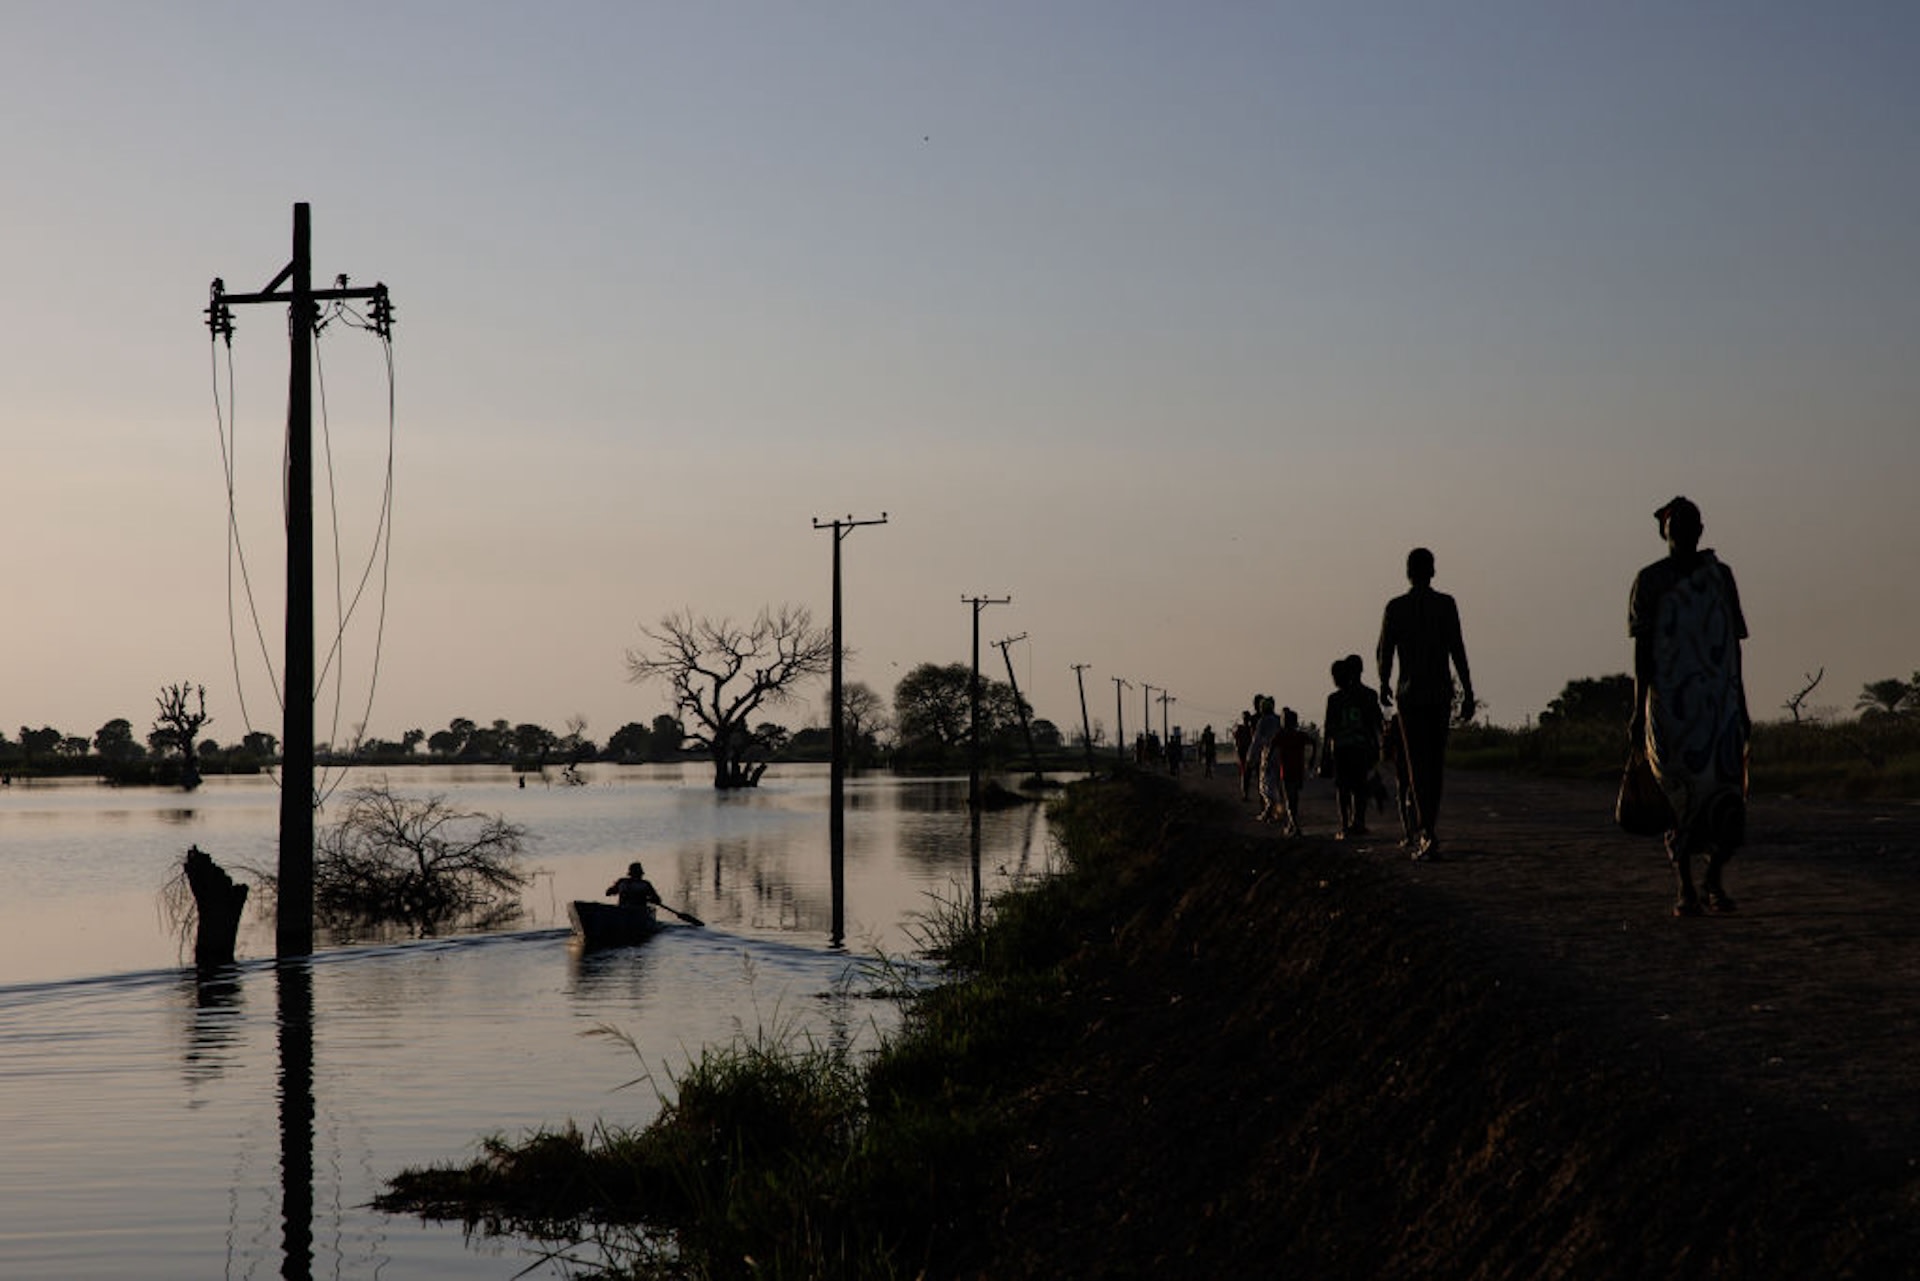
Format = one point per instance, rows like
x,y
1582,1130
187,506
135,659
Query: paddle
x,y
688,917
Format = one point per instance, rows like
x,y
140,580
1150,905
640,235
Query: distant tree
x,y
721,672
183,710
863,719
115,743
811,743
631,742
412,739
1046,735
532,742
574,745
668,735
1888,697
260,744
451,741
36,743
1593,698
932,708
771,739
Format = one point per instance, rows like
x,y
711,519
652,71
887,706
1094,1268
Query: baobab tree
x,y
721,672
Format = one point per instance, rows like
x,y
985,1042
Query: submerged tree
x,y
416,861
721,672
178,726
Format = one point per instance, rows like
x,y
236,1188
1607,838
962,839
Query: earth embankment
x,y
1303,1057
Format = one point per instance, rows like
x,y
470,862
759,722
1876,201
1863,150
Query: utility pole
x,y
1146,709
1120,719
294,923
837,788
1086,725
1166,738
973,750
1026,727
973,702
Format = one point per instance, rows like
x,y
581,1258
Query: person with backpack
x,y
1352,743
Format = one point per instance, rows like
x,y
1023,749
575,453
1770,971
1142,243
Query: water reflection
x,y
294,984
214,1030
607,972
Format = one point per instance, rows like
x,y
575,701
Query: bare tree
x,y
1799,700
863,720
178,726
722,671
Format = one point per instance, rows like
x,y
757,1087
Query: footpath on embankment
x,y
1305,1057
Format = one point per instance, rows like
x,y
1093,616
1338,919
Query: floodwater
x,y
158,1126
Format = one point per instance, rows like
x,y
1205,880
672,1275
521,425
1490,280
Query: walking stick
x,y
1413,784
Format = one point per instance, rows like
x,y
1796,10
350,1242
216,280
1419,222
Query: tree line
x,y
924,726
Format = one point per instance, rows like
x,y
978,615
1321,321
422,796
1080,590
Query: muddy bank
x,y
1302,1057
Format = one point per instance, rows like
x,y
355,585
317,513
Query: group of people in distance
x,y
1690,714
1421,633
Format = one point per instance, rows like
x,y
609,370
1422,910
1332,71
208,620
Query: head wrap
x,y
1679,508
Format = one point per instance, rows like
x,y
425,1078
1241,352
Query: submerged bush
x,y
416,861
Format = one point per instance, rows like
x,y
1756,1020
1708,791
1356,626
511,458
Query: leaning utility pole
x,y
1146,710
1086,726
1120,719
294,920
837,789
1166,736
1026,726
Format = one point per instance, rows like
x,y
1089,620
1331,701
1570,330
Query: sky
x,y
1177,324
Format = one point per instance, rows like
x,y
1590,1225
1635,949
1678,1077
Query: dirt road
x,y
1810,991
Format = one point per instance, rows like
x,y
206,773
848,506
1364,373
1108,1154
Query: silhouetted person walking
x,y
1422,628
1352,748
1690,702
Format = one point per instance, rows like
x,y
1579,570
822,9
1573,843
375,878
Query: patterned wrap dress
x,y
1696,713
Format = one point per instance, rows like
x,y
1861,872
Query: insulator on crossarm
x,y
382,312
219,315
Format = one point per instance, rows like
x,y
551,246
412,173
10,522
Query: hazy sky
x,y
1179,324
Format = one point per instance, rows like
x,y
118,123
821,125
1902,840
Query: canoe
x,y
610,925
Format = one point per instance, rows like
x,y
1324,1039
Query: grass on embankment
x,y
1871,758
775,1150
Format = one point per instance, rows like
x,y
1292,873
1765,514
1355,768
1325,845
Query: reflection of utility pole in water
x,y
1120,719
837,791
294,979
973,742
294,917
1086,725
1026,726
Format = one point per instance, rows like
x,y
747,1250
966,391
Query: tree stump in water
x,y
218,901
